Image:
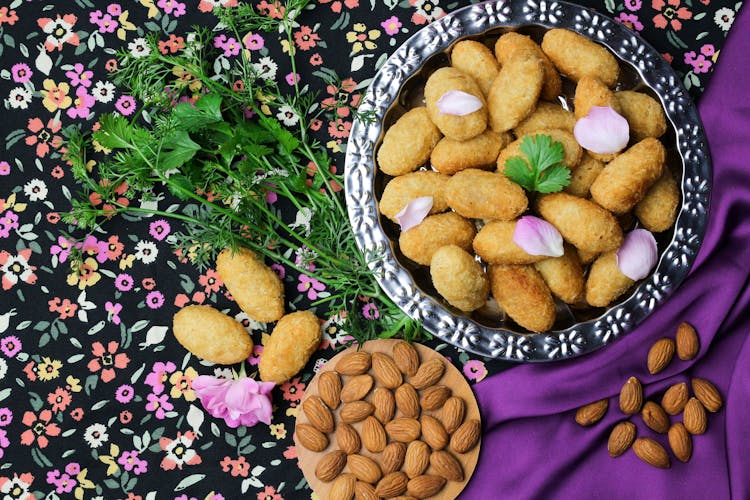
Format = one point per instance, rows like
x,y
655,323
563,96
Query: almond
x,y
687,342
365,491
434,397
356,388
356,411
631,396
651,452
447,466
403,429
428,374
655,417
386,371
365,468
592,412
405,357
392,485
343,487
621,438
392,457
385,404
707,394
680,442
407,401
660,355
694,417
330,466
348,439
329,389
373,435
675,398
466,436
433,432
425,486
453,413
311,438
355,363
417,458
318,413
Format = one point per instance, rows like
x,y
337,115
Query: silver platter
x,y
397,85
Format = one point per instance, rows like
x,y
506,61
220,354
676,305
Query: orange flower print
x,y
59,31
305,38
43,137
39,429
670,14
172,45
107,360
8,16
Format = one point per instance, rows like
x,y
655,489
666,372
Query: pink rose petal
x,y
602,131
538,237
239,402
414,212
455,102
637,255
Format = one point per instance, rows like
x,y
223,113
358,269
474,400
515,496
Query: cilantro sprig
x,y
542,169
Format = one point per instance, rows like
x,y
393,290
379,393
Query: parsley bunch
x,y
542,169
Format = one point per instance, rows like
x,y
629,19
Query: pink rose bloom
x,y
239,402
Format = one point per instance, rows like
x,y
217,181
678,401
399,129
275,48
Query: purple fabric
x,y
532,447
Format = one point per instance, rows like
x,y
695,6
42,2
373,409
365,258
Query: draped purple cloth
x,y
532,447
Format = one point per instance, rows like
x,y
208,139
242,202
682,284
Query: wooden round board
x,y
452,378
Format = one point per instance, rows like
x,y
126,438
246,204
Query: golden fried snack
x,y
459,278
583,223
451,156
255,287
563,275
456,127
515,92
407,144
586,257
583,176
402,189
478,194
571,148
657,210
422,241
476,60
286,351
625,180
546,115
643,113
591,92
576,56
606,282
494,244
211,335
523,295
512,43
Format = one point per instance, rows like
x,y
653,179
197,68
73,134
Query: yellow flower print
x,y
125,25
286,48
55,95
182,384
278,430
11,203
83,484
99,148
292,412
362,38
126,262
153,10
334,146
74,384
49,368
186,79
111,459
84,273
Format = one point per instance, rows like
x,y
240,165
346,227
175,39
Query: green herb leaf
x,y
206,110
177,149
542,168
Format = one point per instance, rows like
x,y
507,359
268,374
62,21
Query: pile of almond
x,y
676,400
412,427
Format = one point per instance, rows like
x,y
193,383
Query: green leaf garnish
x,y
542,169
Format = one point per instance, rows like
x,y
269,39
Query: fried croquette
x,y
643,113
657,210
515,92
512,43
563,275
456,127
605,281
407,144
286,351
459,278
451,156
494,244
211,335
478,194
523,295
422,241
575,56
256,288
475,60
546,116
402,189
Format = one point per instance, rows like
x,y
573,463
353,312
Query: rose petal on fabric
x,y
414,212
455,102
637,255
538,237
602,131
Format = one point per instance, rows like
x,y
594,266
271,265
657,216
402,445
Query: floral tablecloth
x,y
95,393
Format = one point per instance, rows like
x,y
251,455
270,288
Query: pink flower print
x,y
310,285
125,105
230,46
172,7
73,468
179,451
21,72
113,311
159,229
107,360
8,222
708,50
254,358
159,404
105,22
114,9
79,76
124,393
10,346
81,104
633,5
475,370
124,282
130,462
391,25
15,268
63,482
43,137
155,299
4,168
59,31
159,374
370,311
6,417
4,442
63,248
40,428
279,270
629,20
253,41
670,14
292,78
